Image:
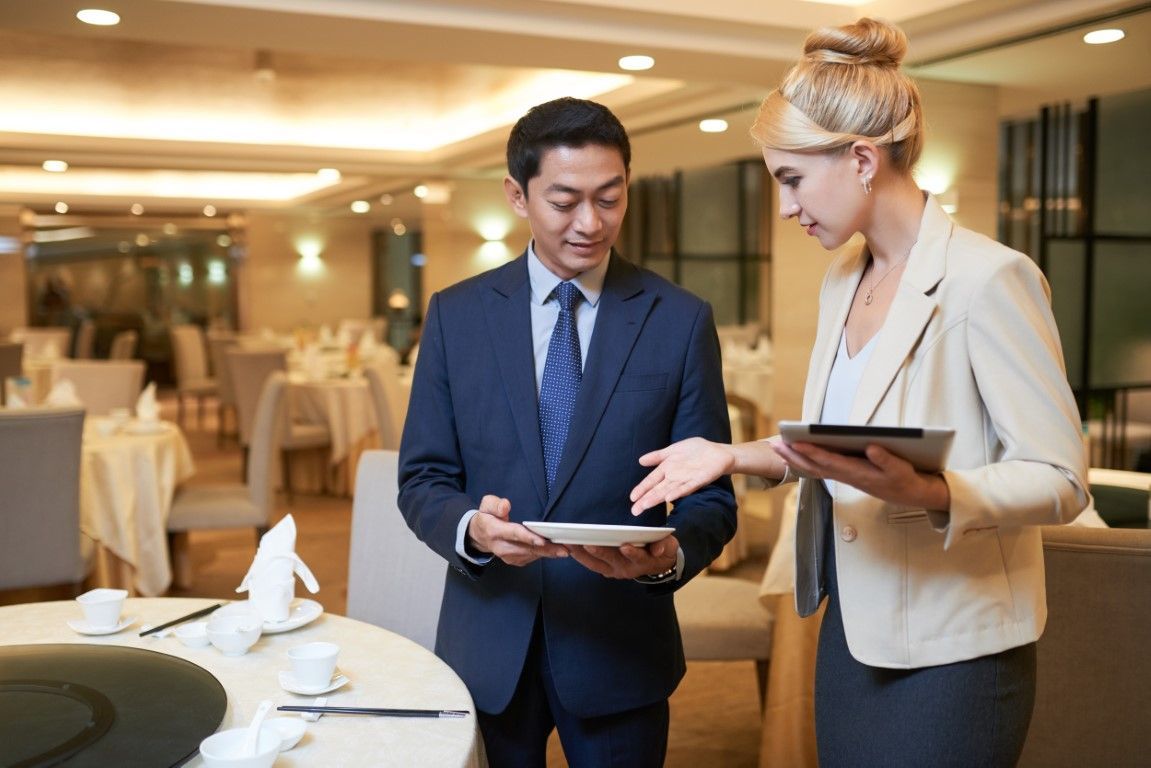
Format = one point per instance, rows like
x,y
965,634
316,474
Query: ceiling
x,y
238,103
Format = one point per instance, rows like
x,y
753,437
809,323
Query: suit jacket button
x,y
848,533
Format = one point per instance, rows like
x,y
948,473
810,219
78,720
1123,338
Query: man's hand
x,y
628,561
491,532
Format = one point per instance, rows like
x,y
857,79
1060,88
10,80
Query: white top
x,y
842,384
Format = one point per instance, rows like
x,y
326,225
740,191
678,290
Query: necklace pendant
x,y
867,297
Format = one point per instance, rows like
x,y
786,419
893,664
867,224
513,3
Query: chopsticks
x,y
378,711
181,620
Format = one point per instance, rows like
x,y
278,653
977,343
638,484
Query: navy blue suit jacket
x,y
652,376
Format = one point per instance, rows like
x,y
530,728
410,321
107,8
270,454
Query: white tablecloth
x,y
344,405
127,482
385,670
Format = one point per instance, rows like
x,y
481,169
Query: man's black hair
x,y
565,122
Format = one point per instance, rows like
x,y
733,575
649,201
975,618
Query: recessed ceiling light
x,y
420,191
637,63
329,174
61,207
209,210
361,206
98,17
713,125
385,199
137,209
54,166
1103,36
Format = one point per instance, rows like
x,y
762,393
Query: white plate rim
x,y
82,626
571,533
288,683
309,609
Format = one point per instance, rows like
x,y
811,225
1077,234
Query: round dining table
x,y
383,670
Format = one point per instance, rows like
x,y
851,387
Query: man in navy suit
x,y
582,639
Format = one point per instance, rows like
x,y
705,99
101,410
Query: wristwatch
x,y
658,578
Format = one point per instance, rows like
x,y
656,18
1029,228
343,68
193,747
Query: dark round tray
x,y
103,705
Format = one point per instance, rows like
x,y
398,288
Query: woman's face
x,y
822,191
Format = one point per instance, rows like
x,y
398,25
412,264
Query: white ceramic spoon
x,y
252,737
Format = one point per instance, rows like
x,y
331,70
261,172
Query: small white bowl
x,y
290,729
234,635
222,750
194,634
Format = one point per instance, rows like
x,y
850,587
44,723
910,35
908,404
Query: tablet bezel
x,y
926,448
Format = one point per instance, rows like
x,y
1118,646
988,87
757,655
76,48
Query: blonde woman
x,y
934,581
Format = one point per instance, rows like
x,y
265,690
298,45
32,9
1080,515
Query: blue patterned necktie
x,y
561,380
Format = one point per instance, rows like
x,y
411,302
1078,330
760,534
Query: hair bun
x,y
867,41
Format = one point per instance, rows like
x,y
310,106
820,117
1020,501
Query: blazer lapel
x,y
911,310
624,306
508,309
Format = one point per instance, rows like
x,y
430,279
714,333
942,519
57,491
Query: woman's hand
x,y
680,469
881,474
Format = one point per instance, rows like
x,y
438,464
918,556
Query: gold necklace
x,y
867,297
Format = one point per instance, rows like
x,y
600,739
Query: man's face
x,y
575,206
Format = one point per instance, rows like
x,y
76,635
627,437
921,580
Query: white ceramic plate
x,y
303,612
289,683
597,535
84,628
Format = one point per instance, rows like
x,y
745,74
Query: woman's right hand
x,y
680,469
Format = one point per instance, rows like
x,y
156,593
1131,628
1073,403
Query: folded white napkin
x,y
276,558
147,409
63,394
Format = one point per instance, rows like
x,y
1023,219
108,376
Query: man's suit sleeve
x,y
431,472
705,520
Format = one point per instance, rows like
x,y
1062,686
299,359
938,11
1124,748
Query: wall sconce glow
x,y
310,263
399,230
209,210
330,175
933,180
137,209
223,241
713,125
1103,36
54,166
420,191
493,230
184,274
170,229
494,252
361,206
949,200
636,63
217,272
98,17
61,207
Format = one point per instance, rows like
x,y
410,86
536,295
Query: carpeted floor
x,y
715,719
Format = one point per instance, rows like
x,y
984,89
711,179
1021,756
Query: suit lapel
x,y
508,309
912,308
624,306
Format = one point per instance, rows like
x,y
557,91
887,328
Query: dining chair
x,y
123,345
248,369
218,347
44,341
1093,691
103,385
85,343
232,505
11,364
721,618
191,362
40,482
394,580
1122,498
390,403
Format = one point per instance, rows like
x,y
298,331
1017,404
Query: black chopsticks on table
x,y
378,711
181,620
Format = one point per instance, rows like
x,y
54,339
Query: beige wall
x,y
962,144
13,277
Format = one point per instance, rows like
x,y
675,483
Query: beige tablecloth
x,y
127,482
385,670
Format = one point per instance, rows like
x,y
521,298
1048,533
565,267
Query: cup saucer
x,y
84,628
289,683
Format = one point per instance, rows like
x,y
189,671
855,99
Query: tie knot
x,y
567,295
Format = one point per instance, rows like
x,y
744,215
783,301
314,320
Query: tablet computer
x,y
924,447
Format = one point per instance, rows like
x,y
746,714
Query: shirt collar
x,y
543,280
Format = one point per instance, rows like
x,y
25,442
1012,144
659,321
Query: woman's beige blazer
x,y
969,343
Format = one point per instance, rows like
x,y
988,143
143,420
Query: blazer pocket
x,y
905,516
643,382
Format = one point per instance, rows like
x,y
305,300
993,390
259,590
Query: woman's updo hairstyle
x,y
848,86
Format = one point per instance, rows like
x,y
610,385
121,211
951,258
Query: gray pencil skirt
x,y
969,714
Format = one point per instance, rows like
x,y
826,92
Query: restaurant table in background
x,y
384,669
127,480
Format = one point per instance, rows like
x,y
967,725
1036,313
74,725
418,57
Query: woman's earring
x,y
865,182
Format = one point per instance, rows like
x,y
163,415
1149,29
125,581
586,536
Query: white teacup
x,y
272,598
102,607
313,663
